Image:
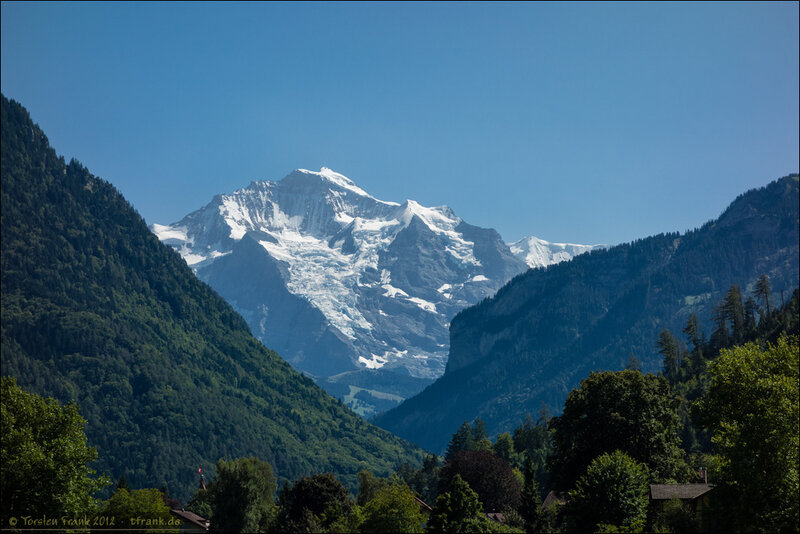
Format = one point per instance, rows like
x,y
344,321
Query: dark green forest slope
x,y
97,311
546,329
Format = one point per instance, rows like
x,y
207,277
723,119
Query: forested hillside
x,y
97,311
546,329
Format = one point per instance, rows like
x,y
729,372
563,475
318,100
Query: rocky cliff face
x,y
548,328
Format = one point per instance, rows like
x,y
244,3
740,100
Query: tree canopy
x,y
488,475
137,510
45,457
752,408
613,491
312,502
458,510
240,496
625,410
393,509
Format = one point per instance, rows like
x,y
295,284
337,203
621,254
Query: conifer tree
x,y
750,323
668,347
720,337
762,290
504,447
531,505
368,485
462,440
734,312
694,331
480,437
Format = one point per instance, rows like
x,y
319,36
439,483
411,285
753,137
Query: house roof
x,y
423,503
497,517
554,497
660,492
191,517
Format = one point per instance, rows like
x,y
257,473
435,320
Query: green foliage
x,y
613,491
200,504
468,438
122,483
240,496
534,441
504,447
349,522
97,311
45,457
625,411
734,309
530,507
312,503
668,347
141,509
393,509
368,485
425,480
752,407
461,441
489,476
691,380
458,510
546,329
480,437
634,528
762,290
676,516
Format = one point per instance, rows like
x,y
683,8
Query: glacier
x,y
350,289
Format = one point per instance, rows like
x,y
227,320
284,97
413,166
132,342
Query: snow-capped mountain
x,y
355,291
537,252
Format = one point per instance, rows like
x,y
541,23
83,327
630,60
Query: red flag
x,y
200,470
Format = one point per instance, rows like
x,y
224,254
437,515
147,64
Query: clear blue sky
x,y
589,123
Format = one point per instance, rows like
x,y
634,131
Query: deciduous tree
x,y
137,510
613,491
458,510
625,410
752,409
45,457
393,508
240,496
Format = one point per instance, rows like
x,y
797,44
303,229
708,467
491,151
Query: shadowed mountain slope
x,y
548,328
96,310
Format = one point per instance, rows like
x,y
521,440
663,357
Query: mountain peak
x,y
329,175
538,252
362,281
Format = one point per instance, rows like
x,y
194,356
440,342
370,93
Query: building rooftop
x,y
661,492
